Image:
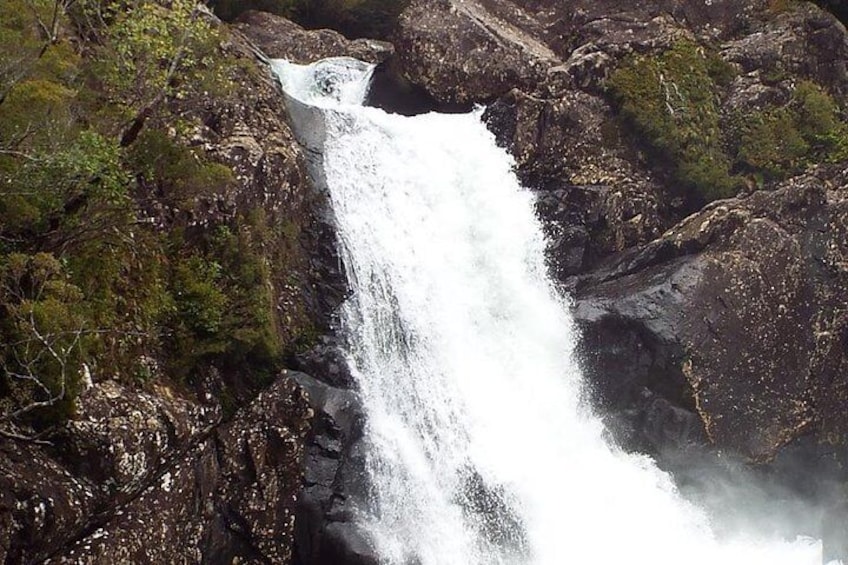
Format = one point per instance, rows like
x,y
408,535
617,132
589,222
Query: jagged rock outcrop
x,y
335,482
150,478
543,65
279,38
737,313
727,333
211,474
461,53
726,329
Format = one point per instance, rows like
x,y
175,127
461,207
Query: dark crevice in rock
x,y
393,93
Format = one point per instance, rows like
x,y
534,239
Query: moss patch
x,y
672,100
780,141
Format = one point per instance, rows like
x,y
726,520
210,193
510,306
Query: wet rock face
x,y
542,65
724,328
743,304
328,363
334,482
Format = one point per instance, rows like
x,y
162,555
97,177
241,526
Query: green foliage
x,y
146,40
151,52
46,340
67,194
173,172
780,141
200,306
672,100
99,269
225,298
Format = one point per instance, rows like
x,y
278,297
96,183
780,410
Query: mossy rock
x,y
672,99
783,140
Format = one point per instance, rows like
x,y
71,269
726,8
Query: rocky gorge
x,y
707,260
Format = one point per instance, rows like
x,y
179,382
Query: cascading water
x,y
480,449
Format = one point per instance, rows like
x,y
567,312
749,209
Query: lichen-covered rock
x,y
229,495
744,305
547,64
804,41
120,437
42,504
243,125
152,476
461,52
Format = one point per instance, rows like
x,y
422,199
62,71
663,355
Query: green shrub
x,y
225,302
88,266
783,140
173,172
672,99
45,338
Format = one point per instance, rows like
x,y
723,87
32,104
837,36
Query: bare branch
x,y
21,437
20,154
61,357
30,378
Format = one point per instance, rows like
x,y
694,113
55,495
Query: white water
x,y
480,449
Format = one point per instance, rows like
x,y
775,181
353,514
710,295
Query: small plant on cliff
x,y
782,140
672,99
103,269
46,339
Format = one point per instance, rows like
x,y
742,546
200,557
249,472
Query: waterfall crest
x,y
480,450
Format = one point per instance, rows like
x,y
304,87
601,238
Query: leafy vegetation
x,y
780,141
101,275
673,101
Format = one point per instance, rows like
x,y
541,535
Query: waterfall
x,y
481,449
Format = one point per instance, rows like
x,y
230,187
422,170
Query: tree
x,y
153,52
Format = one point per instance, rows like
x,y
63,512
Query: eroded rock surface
x,y
723,328
144,478
279,38
155,475
738,313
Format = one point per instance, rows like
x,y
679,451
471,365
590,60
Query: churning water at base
x,y
480,449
